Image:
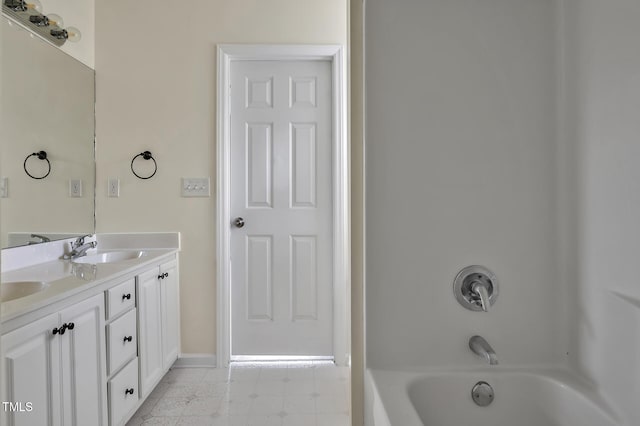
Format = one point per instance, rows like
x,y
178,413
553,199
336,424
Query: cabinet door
x,y
31,374
84,363
170,313
149,330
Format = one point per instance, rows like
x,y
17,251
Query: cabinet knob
x,y
128,391
64,327
161,276
126,296
128,338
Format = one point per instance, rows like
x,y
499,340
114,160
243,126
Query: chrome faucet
x,y
79,248
482,348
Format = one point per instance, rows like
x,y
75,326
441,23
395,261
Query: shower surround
x,y
504,133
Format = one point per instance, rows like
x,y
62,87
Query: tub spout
x,y
482,348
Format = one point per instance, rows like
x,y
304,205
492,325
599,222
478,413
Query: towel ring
x,y
42,155
147,156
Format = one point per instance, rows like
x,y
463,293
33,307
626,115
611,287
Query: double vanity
x,y
85,340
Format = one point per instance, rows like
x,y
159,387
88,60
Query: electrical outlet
x,y
114,187
195,187
4,187
75,188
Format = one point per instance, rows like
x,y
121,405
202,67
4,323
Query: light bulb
x,y
70,33
55,20
45,21
34,5
73,34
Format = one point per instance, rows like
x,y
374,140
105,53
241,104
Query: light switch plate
x,y
75,187
195,187
114,187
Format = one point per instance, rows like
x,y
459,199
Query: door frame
x,y
227,53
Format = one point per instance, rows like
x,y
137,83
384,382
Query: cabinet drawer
x,y
123,393
121,340
121,297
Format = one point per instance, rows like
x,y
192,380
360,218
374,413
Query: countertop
x,y
68,281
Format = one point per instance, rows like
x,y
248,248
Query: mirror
x,y
47,104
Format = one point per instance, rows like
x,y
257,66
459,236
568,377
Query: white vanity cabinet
x,y
54,368
89,348
158,323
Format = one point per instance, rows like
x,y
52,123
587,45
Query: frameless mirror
x,y
47,104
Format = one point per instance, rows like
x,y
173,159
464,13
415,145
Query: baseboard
x,y
195,360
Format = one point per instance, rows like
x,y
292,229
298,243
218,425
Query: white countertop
x,y
67,280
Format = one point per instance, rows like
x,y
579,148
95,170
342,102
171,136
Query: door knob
x,y
238,222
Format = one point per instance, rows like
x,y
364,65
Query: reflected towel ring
x,y
147,156
42,155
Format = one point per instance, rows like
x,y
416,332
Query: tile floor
x,y
291,394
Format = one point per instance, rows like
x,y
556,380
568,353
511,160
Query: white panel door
x,y
281,180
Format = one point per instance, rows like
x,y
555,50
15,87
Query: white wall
x,y
461,168
603,177
156,90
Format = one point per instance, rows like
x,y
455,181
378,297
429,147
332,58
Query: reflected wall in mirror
x,y
47,104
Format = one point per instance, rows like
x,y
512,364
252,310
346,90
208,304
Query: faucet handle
x,y
481,289
79,241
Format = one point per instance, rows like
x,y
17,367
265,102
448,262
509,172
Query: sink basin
x,y
109,257
18,289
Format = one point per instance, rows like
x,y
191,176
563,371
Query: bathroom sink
x,y
109,257
17,289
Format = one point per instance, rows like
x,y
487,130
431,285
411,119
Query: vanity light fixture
x,y
29,14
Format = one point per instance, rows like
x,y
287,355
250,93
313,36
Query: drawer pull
x,y
126,296
128,391
128,338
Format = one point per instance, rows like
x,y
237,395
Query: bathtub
x,y
521,398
